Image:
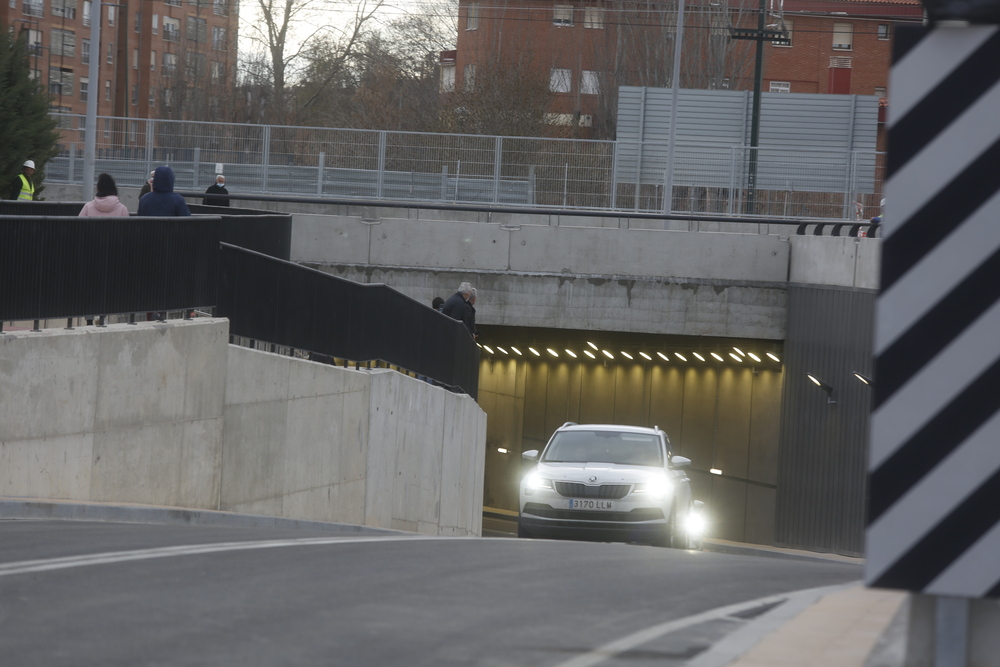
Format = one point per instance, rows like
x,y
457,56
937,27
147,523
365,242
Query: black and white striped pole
x,y
934,464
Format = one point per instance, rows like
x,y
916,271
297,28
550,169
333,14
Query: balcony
x,y
171,34
33,9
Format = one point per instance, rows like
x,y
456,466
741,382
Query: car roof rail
x,y
569,424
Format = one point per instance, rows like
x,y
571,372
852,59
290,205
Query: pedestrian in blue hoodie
x,y
162,201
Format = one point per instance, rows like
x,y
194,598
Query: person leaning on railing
x,y
105,204
460,306
163,201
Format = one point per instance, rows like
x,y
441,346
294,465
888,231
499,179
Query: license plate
x,y
581,504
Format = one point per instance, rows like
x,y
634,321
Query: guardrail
x,y
54,267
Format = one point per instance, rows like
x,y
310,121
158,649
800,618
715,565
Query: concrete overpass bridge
x,y
778,459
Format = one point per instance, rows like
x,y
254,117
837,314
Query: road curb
x,y
739,549
14,509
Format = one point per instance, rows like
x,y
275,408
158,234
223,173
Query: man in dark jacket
x,y
218,188
460,306
162,201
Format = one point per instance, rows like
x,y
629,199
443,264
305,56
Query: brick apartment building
x,y
158,58
591,48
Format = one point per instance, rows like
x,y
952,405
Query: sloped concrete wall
x,y
171,414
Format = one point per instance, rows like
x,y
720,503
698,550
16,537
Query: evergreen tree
x,y
27,132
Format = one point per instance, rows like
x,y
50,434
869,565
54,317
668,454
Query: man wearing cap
x,y
219,188
23,188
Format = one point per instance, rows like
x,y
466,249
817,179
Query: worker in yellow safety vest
x,y
23,188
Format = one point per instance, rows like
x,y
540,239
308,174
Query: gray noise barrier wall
x,y
816,143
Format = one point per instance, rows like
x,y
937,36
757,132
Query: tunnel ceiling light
x,y
645,356
589,354
488,349
822,385
592,346
864,378
502,350
662,356
552,352
717,357
698,356
680,356
502,450
608,354
534,352
775,358
753,356
627,355
715,471
571,353
480,345
736,357
516,351
739,351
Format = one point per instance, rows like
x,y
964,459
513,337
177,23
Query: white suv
x,y
605,482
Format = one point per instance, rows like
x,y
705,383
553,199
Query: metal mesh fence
x,y
537,172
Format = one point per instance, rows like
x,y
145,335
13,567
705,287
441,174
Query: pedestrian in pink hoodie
x,y
105,204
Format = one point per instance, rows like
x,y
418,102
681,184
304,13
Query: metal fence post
x,y
444,182
72,163
732,180
497,162
196,166
381,164
614,176
265,158
565,182
149,147
320,173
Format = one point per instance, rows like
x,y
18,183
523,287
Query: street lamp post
x,y
90,140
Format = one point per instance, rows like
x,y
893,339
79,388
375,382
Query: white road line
x,y
619,646
49,564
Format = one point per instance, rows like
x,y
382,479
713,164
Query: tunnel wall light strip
x,y
592,346
589,354
488,349
516,351
753,356
608,354
717,357
627,355
534,352
715,471
698,356
774,358
736,357
662,356
680,356
645,356
552,352
571,353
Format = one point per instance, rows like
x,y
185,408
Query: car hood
x,y
606,473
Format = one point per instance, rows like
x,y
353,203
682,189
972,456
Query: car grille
x,y
604,491
640,514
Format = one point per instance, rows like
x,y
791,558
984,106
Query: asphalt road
x,y
190,595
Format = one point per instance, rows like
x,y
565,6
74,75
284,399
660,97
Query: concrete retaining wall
x,y
171,414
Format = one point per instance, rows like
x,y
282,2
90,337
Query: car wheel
x,y
678,534
521,532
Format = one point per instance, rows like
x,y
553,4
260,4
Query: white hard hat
x,y
29,163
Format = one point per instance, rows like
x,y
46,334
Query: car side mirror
x,y
530,455
679,462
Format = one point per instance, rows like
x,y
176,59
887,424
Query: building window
x,y
107,91
843,36
780,87
219,39
135,94
107,128
447,78
152,97
86,13
64,8
111,15
469,77
156,23
135,58
63,43
472,16
111,53
883,31
788,29
169,64
33,8
194,65
562,15
84,88
174,3
138,22
35,42
197,29
152,61
880,91
168,97
60,81
593,17
220,8
171,29
218,72
560,80
589,84
85,51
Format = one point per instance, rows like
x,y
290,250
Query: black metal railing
x,y
66,267
292,305
56,267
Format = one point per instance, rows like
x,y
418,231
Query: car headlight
x,y
695,524
657,488
534,481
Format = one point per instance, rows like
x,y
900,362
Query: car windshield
x,y
605,447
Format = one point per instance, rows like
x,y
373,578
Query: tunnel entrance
x,y
718,399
